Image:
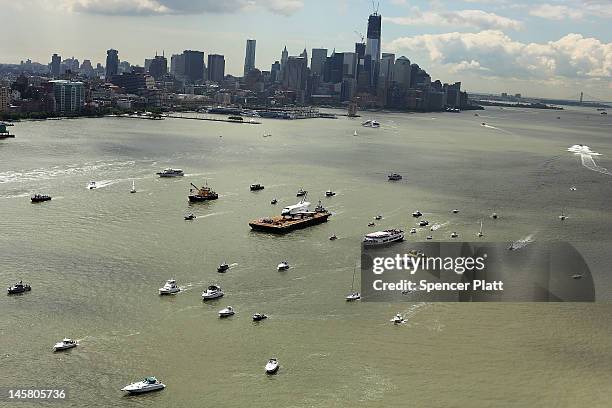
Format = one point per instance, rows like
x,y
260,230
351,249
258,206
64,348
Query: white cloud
x,y
161,7
478,19
573,10
572,56
556,12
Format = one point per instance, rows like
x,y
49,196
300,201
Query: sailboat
x,y
355,133
354,295
133,190
480,234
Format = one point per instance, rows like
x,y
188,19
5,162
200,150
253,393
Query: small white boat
x,y
92,185
257,317
223,267
423,223
272,366
397,319
190,217
274,201
429,237
65,345
147,385
572,188
133,190
213,292
494,215
283,266
371,123
170,288
227,312
378,217
353,295
333,237
330,193
417,214
413,230
577,276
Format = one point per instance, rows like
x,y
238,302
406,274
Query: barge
x,y
294,217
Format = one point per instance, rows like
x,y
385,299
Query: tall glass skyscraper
x,y
373,44
249,59
112,63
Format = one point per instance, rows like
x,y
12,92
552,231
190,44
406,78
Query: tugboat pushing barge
x,y
294,217
197,194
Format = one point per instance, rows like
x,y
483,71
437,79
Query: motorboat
x,y
222,267
147,385
417,214
563,217
39,198
65,345
301,193
413,230
378,217
494,216
272,366
19,287
353,296
283,266
371,224
190,217
257,317
133,190
423,223
572,188
577,276
333,237
227,312
383,237
274,201
454,235
394,177
170,288
212,292
329,193
256,187
398,319
92,185
429,237
371,123
455,211
167,173
319,208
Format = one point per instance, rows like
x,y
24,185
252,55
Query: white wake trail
x,y
586,157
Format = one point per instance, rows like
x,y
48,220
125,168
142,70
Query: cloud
x,y
556,12
162,7
478,19
572,56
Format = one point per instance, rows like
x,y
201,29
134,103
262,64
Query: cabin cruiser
x,y
371,123
423,223
170,288
92,185
283,266
274,201
222,267
329,193
417,214
454,235
39,198
272,366
333,237
259,317
171,173
65,345
190,217
413,230
227,312
383,237
19,287
394,177
397,319
147,385
353,296
301,193
256,187
213,292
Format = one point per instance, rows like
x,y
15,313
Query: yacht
x,y
413,230
371,123
353,295
272,366
170,288
301,193
65,345
397,319
394,177
329,193
256,187
190,217
257,317
283,266
147,385
92,185
274,201
19,287
171,173
423,223
133,190
383,237
213,292
227,312
39,198
417,214
223,267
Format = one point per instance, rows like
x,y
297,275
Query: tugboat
x,y
222,267
202,194
257,317
256,187
167,173
394,177
147,385
301,193
19,287
39,198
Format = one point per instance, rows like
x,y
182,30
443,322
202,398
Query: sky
x,y
546,48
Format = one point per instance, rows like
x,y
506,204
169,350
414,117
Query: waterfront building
x,y
56,62
69,96
4,98
216,68
158,68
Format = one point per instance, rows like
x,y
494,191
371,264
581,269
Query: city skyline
x,y
491,46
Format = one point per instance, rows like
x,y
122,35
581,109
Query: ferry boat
x,y
171,173
383,237
202,194
4,134
394,177
39,198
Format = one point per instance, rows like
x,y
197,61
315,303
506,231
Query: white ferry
x,y
171,173
383,237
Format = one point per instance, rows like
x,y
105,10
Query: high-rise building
x,y
177,65
216,67
296,71
56,63
317,62
275,72
69,96
373,43
4,98
249,58
402,72
158,67
194,65
387,63
112,63
87,69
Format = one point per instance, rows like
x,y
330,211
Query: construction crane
x,y
375,7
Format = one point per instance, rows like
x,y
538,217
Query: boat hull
x,y
283,225
199,199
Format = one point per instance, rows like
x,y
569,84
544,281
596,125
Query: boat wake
x,y
521,243
436,227
58,171
16,196
586,157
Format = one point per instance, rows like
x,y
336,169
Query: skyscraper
x,y
249,59
216,67
373,43
158,67
56,62
402,72
295,74
112,63
194,65
317,61
177,65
